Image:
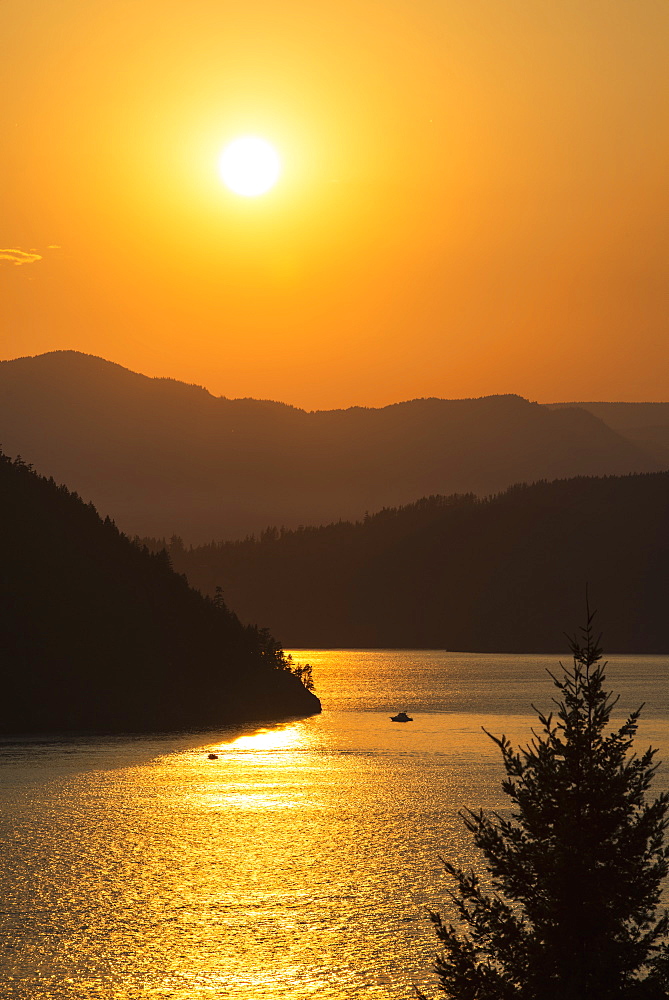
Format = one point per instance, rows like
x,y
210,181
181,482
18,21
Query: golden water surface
x,y
299,863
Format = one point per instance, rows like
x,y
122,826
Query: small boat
x,y
401,717
212,756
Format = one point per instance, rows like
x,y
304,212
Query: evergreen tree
x,y
570,908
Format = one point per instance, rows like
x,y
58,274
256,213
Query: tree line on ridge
x,y
98,633
458,572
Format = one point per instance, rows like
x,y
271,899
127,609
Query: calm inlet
x,y
299,863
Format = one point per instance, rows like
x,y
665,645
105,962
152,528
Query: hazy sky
x,y
474,199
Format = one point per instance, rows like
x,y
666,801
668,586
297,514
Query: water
x,y
300,863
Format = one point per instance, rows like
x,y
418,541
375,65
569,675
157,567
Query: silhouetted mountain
x,y
160,456
645,424
461,573
96,633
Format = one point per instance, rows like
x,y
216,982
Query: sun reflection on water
x,y
263,770
290,737
300,861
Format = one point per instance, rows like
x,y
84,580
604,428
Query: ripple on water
x,y
301,862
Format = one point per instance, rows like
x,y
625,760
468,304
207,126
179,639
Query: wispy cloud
x,y
19,256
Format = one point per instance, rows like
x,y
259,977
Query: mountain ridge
x,y
464,573
162,456
98,634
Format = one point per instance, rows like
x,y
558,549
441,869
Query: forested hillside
x,y
97,634
162,457
459,572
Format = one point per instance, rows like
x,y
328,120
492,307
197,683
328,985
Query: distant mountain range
x,y
461,573
97,634
644,424
162,457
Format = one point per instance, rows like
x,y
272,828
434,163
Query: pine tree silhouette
x,y
570,908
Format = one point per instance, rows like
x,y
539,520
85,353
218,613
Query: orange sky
x,y
474,200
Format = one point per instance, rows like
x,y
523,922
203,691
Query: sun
x,y
249,166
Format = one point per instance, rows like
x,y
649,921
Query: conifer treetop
x,y
568,905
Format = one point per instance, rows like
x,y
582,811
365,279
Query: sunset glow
x,y
338,328
473,197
